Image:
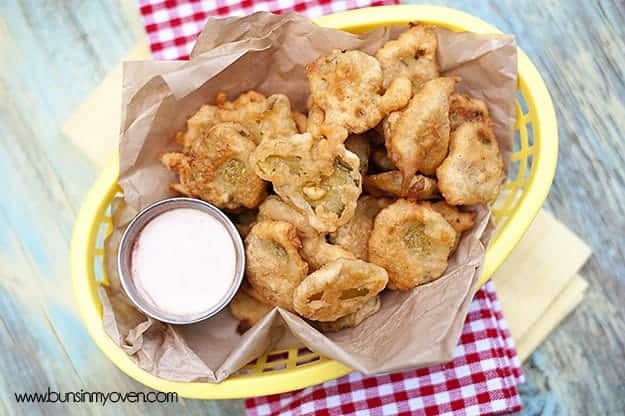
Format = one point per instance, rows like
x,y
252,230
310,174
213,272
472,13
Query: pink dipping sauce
x,y
183,262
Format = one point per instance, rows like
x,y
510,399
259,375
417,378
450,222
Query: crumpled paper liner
x,y
268,53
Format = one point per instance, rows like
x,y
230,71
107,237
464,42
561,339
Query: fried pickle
x,y
346,90
332,198
251,291
473,172
301,121
216,168
318,252
460,220
277,120
316,176
354,236
247,108
464,109
337,289
353,319
249,104
261,116
412,242
417,137
274,266
274,208
314,123
247,310
290,162
359,145
390,184
412,56
315,249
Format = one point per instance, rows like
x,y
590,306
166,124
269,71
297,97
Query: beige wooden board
x,y
537,272
94,126
571,296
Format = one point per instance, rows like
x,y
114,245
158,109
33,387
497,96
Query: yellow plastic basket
x,y
531,174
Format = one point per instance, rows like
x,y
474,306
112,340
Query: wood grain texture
x,y
52,54
555,288
91,126
571,296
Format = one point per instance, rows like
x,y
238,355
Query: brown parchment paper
x,y
268,53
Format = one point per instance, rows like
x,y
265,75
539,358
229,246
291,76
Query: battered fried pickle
x,y
417,137
354,236
251,291
337,289
359,145
472,173
332,198
316,176
463,109
412,56
314,123
380,159
315,249
247,310
412,242
215,167
274,266
301,121
317,127
318,252
244,110
274,208
249,104
261,116
346,86
353,319
459,220
290,162
277,120
390,184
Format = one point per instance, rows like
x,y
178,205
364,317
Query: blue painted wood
x,y
53,53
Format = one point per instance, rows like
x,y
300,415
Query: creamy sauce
x,y
183,262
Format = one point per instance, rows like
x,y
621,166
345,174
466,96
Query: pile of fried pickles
x,y
366,192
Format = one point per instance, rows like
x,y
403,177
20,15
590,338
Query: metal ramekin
x,y
124,256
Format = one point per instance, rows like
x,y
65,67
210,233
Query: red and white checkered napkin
x,y
173,26
481,379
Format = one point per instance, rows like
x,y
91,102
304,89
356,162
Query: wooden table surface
x,y
53,53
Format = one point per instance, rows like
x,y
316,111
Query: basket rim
x,y
99,195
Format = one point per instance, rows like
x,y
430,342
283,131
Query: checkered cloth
x,y
483,376
173,26
481,379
